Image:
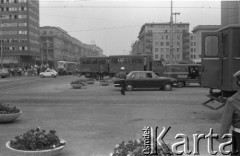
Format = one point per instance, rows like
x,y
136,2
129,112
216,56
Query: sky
x,y
114,25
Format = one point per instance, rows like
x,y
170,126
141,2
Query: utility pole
x,y
171,36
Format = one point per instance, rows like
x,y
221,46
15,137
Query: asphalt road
x,y
94,119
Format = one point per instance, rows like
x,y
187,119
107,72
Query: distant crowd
x,y
30,70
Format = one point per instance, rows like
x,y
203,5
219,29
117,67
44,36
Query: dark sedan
x,y
146,79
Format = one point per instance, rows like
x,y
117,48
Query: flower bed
x,y
36,142
90,81
77,84
8,113
104,82
135,148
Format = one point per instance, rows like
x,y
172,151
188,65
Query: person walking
x,y
231,117
122,75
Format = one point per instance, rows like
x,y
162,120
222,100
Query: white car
x,y
49,73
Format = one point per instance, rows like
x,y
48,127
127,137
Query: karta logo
x,y
152,140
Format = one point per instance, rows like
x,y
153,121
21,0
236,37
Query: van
x,y
185,74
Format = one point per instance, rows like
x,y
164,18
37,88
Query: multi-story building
x,y
196,40
230,12
58,45
19,21
154,40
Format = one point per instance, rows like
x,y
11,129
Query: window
x,y
156,49
167,43
211,46
156,56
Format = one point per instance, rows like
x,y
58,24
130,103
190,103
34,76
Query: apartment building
x,y
196,40
154,40
58,45
19,21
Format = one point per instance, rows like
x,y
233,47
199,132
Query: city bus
x,y
185,74
129,62
66,68
93,67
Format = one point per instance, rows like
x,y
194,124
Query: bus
x,y
67,68
185,74
130,63
220,60
93,67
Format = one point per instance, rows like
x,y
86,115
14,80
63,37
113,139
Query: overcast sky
x,y
114,25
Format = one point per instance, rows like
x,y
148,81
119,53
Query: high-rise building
x,y
154,39
19,21
230,12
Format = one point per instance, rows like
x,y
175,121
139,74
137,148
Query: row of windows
x,y
193,49
13,41
167,49
12,1
157,36
33,34
14,32
165,43
14,24
193,43
193,56
14,17
22,8
21,48
166,56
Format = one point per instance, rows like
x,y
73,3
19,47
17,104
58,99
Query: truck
x,y
220,60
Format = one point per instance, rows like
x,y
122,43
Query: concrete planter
x,y
76,86
50,152
4,118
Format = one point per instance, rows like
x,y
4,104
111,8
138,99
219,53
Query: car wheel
x,y
180,84
167,87
129,87
52,75
41,76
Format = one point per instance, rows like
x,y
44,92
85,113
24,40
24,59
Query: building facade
x,y
196,40
19,21
230,12
154,40
58,45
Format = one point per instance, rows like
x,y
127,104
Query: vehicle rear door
x,y
212,60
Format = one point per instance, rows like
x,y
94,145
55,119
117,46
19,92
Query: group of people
x,y
29,69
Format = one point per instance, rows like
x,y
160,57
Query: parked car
x,y
49,73
146,79
4,73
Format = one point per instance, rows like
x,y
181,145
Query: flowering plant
x,y
78,82
135,148
35,140
8,109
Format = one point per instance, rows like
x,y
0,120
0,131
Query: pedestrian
x,y
122,75
231,117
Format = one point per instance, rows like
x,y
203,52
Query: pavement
x,y
94,119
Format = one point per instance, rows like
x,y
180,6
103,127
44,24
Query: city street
x,y
94,119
